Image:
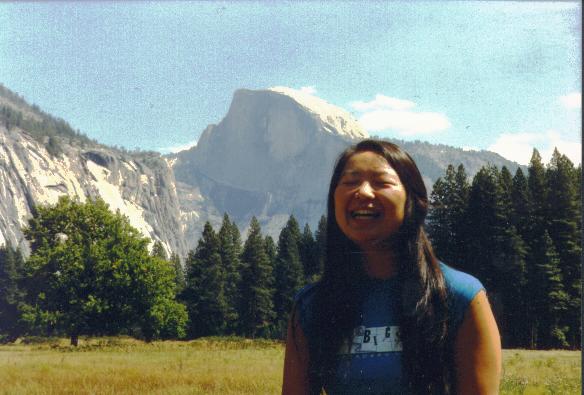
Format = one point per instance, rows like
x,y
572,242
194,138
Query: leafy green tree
x,y
204,294
230,251
256,310
11,293
289,274
90,271
158,250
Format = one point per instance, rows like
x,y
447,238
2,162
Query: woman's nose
x,y
365,190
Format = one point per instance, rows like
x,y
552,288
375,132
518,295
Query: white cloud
x,y
309,90
386,113
382,102
406,123
572,100
519,146
177,148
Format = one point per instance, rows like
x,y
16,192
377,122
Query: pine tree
x,y
520,305
497,253
230,250
204,293
513,272
536,227
439,219
320,241
256,309
520,204
308,256
11,293
506,181
179,273
563,231
538,197
484,216
271,252
447,221
549,300
289,274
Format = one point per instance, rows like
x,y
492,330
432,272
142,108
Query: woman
x,y
387,317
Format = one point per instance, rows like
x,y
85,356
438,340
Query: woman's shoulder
x,y
462,289
461,284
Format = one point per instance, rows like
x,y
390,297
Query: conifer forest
x,y
91,273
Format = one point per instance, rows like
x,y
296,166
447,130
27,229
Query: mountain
x,y
270,156
42,158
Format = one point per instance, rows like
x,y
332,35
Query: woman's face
x,y
369,200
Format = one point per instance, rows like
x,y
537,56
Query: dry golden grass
x,y
541,372
125,366
215,366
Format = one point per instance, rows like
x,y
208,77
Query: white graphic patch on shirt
x,y
373,340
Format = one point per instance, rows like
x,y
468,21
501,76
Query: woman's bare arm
x,y
478,350
295,361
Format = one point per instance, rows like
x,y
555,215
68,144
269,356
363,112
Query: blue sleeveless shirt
x,y
371,364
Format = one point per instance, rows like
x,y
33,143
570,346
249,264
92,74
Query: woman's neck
x,y
379,262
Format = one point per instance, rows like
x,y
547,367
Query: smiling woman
x,y
387,317
369,201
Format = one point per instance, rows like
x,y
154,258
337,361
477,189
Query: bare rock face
x,y
142,188
271,156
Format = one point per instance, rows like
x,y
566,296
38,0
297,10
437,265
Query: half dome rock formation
x,y
270,156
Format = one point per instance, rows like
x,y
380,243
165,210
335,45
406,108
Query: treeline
x,y
44,127
90,273
248,290
49,130
520,235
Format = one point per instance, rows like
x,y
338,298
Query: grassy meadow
x,y
214,366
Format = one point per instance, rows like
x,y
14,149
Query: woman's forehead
x,y
368,161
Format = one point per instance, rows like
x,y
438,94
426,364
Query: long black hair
x,y
426,361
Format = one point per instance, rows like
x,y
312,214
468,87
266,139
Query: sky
x,y
502,76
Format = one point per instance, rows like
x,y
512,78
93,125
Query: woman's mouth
x,y
365,214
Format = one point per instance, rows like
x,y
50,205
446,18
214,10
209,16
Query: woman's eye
x,y
350,182
386,183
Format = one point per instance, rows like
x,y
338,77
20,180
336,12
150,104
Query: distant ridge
x,y
270,156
